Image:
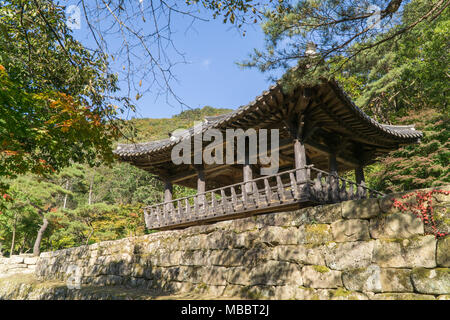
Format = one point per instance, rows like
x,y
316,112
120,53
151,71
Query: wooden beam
x,y
347,160
186,175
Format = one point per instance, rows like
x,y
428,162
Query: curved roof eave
x,y
401,134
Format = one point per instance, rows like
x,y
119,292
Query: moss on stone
x,y
321,269
341,292
405,296
427,273
317,233
317,228
251,293
306,288
202,286
422,272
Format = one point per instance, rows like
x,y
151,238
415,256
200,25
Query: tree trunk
x,y
90,189
13,235
91,232
22,247
37,243
65,197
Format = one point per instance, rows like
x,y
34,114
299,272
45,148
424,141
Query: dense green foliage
x,y
54,98
85,204
406,82
410,73
419,165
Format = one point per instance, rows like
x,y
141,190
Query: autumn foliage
x,y
41,132
423,208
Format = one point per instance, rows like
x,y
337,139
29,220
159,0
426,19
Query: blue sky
x,y
211,77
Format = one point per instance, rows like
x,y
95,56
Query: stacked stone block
x,y
22,264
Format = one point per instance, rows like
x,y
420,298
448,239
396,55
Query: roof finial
x,y
311,49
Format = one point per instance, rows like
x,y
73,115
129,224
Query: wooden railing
x,y
268,193
329,188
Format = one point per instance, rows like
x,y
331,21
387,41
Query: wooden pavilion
x,y
322,134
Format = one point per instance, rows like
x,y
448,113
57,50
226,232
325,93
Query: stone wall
x,y
354,250
23,264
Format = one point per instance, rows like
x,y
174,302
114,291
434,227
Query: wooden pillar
x,y
333,188
201,183
247,169
332,163
359,174
300,160
168,190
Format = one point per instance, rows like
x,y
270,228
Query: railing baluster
x,y
343,191
359,191
244,196
172,212
205,205
350,192
234,198
325,188
294,186
334,189
167,216
363,190
224,201
195,213
161,215
280,189
268,191
188,208
157,217
213,203
180,214
318,187
148,220
256,194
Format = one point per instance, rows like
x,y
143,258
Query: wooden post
x,y
201,184
334,181
332,163
300,160
247,169
168,190
248,176
359,174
